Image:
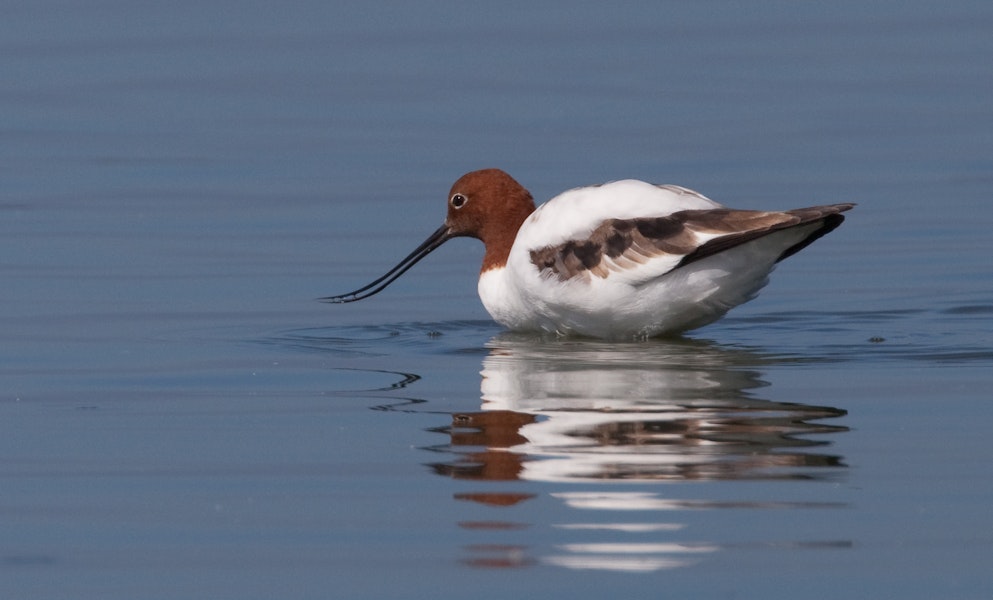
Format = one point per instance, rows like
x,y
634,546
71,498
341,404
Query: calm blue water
x,y
180,419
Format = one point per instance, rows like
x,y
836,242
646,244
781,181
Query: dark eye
x,y
458,200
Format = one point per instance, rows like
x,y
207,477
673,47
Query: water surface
x,y
180,418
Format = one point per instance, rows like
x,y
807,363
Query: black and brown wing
x,y
654,246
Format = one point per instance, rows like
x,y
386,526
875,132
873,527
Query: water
x,y
180,418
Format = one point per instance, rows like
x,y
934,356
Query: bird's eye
x,y
458,200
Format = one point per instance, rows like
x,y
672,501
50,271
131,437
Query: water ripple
x,y
384,339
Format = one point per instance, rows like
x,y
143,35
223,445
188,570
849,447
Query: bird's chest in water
x,y
503,300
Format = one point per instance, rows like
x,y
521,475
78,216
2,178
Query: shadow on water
x,y
601,430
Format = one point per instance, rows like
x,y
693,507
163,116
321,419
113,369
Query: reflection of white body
x,y
637,411
580,396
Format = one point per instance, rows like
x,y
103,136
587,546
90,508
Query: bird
x,y
620,260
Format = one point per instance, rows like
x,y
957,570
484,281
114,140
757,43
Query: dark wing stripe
x,y
625,243
794,218
831,223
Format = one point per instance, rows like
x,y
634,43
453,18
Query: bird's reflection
x,y
583,411
652,411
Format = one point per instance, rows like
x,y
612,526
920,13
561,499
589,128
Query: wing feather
x,y
621,246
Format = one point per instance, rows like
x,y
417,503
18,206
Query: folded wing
x,y
644,248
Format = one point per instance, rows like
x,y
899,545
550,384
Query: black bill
x,y
434,240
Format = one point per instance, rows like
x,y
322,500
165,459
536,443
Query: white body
x,y
639,300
